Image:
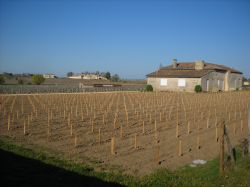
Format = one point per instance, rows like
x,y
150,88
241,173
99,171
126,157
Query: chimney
x,y
199,65
174,63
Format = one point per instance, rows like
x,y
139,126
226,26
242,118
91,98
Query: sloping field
x,y
137,132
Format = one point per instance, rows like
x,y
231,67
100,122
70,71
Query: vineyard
x,y
139,132
27,89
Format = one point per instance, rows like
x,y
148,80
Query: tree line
x,y
39,79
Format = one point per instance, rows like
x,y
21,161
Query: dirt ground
x,y
150,130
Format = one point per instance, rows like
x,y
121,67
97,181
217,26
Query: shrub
x,y
38,79
69,74
107,75
115,78
149,88
20,81
198,88
2,80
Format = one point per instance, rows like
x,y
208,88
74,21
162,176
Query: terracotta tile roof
x,y
187,70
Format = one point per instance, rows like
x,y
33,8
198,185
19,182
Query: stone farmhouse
x,y
184,76
88,76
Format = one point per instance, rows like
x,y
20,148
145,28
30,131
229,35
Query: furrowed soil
x,y
150,130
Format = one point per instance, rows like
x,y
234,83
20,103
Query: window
x,y
164,82
181,82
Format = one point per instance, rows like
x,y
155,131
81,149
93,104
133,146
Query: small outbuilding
x,y
184,76
49,76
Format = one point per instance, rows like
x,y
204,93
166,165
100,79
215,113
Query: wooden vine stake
x,y
198,142
28,121
143,127
121,131
51,115
222,164
127,118
112,145
103,119
71,129
13,119
92,125
69,120
207,122
8,122
180,149
22,106
24,128
99,136
177,130
189,131
75,140
82,115
241,125
48,131
155,126
216,134
114,122
155,131
234,128
135,145
157,154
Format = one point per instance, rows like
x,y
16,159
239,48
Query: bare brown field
x,y
136,132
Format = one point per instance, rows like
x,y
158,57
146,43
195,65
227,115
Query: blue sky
x,y
127,37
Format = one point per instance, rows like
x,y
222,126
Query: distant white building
x,y
87,76
49,76
246,83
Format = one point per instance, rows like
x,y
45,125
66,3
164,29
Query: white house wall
x,y
217,81
172,84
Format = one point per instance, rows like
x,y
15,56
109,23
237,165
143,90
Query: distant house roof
x,y
187,70
49,74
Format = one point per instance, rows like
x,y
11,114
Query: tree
x,y
149,88
198,88
38,79
69,74
2,80
115,78
7,75
107,75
